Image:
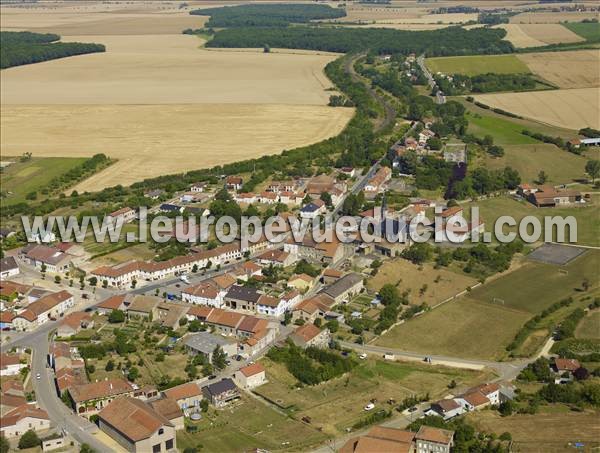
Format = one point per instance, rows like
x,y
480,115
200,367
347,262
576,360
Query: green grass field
x,y
589,31
589,327
247,425
539,284
347,395
462,328
21,178
588,217
560,166
479,64
504,131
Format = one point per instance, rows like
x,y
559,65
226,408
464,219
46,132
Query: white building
x,y
8,268
251,376
24,418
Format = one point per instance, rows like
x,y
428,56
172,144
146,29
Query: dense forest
x,y
446,41
19,48
267,15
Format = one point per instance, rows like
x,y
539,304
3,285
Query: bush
x,y
29,440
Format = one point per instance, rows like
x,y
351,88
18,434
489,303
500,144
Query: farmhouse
x,y
234,183
144,306
565,369
8,267
447,409
205,293
54,260
242,298
382,439
310,335
90,398
312,209
124,215
301,282
578,142
205,343
136,426
437,440
116,302
221,393
319,184
309,309
187,395
345,288
275,258
169,409
251,376
22,419
52,305
375,184
548,196
73,323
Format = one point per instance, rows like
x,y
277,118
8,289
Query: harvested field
x,y
409,277
549,432
536,35
589,327
574,108
477,64
543,17
569,69
164,97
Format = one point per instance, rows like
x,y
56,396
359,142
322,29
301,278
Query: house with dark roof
x,y
54,259
344,288
8,267
221,393
242,298
137,426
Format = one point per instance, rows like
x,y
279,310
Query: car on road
x,y
212,376
369,407
38,376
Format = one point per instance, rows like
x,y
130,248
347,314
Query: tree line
x,y
442,42
21,48
484,83
267,15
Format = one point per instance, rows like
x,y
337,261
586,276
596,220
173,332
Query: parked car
x,y
362,356
369,407
38,376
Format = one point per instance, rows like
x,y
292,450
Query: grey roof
x,y
8,263
342,285
220,387
205,342
244,293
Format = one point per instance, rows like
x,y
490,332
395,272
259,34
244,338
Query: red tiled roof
x,y
307,332
183,391
441,436
133,418
113,302
253,369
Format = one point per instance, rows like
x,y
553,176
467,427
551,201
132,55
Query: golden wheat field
x,y
161,105
536,35
544,17
572,109
569,69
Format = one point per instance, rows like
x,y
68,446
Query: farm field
x,y
549,431
537,35
21,178
573,108
248,424
568,69
589,327
346,396
185,107
408,277
478,64
548,17
589,31
504,131
560,166
588,217
462,328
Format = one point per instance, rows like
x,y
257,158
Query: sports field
x,y
20,178
560,166
589,327
408,276
347,395
574,108
568,69
166,106
478,64
537,35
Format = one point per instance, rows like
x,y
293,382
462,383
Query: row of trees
x,y
267,15
446,41
20,49
484,83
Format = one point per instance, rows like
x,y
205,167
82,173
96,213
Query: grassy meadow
x,y
479,64
589,327
20,178
588,31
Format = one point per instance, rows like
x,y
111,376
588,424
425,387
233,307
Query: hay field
x,y
569,69
573,108
543,17
536,35
163,97
477,64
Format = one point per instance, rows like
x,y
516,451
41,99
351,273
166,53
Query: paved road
x,y
440,98
506,370
47,398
